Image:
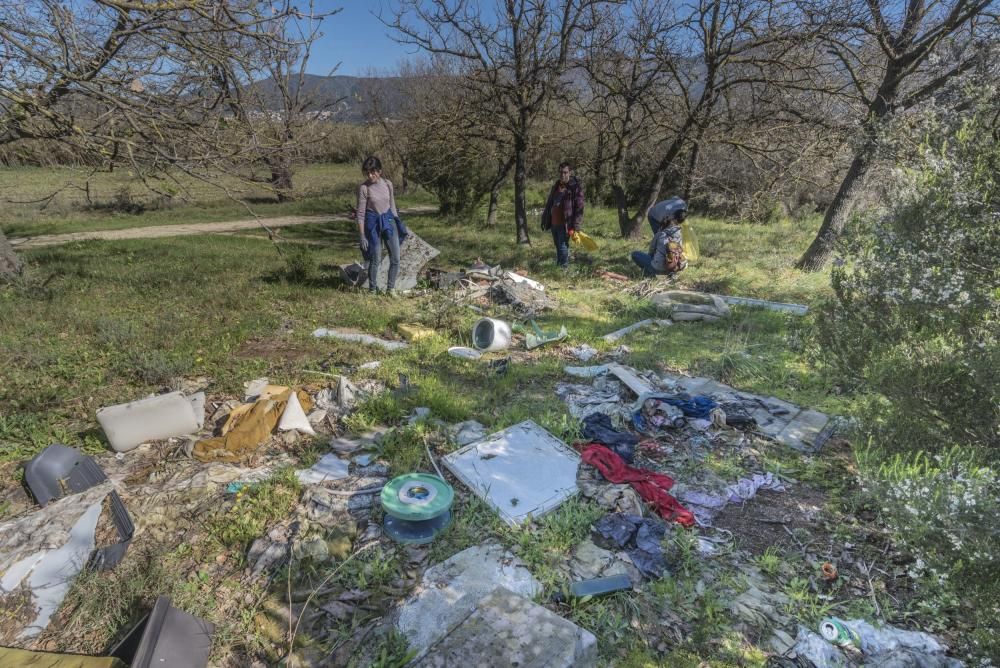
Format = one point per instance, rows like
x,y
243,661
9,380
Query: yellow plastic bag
x,y
690,240
583,240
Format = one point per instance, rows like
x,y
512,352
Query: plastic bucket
x,y
489,335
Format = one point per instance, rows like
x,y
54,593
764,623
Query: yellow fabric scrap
x,y
248,426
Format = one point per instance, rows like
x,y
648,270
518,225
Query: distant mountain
x,y
348,99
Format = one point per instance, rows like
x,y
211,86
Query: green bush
x,y
916,316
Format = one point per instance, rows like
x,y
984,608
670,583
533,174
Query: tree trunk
x,y
281,178
503,169
837,215
656,181
10,264
597,192
405,162
692,166
520,188
629,228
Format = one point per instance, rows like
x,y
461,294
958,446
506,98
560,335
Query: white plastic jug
x,y
489,335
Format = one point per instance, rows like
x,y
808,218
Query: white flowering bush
x,y
915,328
916,319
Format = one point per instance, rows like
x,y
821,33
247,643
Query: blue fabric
x,y
698,406
653,224
378,228
645,262
561,238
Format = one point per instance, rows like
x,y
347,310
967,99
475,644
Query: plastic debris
x,y
464,353
294,417
355,337
796,309
649,322
415,332
584,352
522,471
329,467
164,416
537,337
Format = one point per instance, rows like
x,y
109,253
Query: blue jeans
x,y
645,262
391,240
560,235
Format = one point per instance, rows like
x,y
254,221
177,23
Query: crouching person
x,y
666,251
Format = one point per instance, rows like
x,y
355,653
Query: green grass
x,y
97,323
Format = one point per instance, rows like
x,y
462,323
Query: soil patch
x,y
278,350
774,519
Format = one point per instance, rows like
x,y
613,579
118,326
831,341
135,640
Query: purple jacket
x,y
572,205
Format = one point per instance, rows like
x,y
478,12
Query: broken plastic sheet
x,y
649,322
45,550
583,352
329,467
537,337
885,646
248,427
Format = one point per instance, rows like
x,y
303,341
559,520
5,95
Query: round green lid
x,y
417,496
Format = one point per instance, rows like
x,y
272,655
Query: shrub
x,y
917,308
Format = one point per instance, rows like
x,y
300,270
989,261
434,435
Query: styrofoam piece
x,y
360,338
329,467
254,388
489,335
520,471
294,417
797,309
163,416
517,278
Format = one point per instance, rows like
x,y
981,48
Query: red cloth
x,y
651,486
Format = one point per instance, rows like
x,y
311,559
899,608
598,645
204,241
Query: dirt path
x,y
180,230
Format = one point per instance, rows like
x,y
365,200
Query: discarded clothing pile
x,y
641,538
652,487
705,506
597,427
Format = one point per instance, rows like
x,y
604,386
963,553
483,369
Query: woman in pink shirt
x,y
377,223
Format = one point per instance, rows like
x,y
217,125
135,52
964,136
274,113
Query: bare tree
x,y
714,47
514,53
626,63
134,84
896,55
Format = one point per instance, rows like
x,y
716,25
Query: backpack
x,y
675,260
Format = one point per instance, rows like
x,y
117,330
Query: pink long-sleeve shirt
x,y
377,197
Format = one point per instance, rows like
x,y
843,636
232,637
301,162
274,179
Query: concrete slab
x,y
801,432
693,385
521,471
451,590
509,630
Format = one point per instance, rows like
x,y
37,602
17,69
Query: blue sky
x,y
356,39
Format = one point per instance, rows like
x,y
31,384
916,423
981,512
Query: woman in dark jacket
x,y
563,212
